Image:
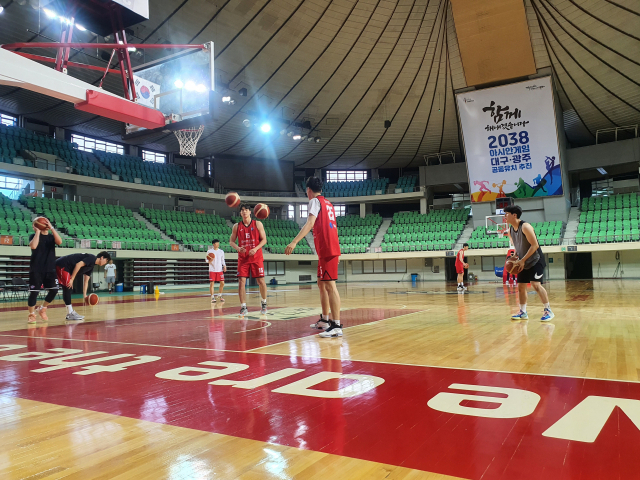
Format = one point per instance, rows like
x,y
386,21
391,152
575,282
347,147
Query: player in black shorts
x,y
42,270
67,268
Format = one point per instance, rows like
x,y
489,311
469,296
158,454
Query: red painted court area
x,y
217,328
397,414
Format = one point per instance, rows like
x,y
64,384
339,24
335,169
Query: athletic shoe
x,y
460,288
243,311
547,315
321,324
334,330
42,311
32,318
263,310
213,299
221,299
74,316
520,316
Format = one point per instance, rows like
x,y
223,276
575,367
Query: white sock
x,y
325,317
243,305
264,300
337,322
523,308
69,308
546,305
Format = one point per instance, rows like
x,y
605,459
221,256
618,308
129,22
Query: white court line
x,y
333,358
353,326
268,324
125,343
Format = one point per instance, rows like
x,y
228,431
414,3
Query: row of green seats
x,y
427,227
194,227
300,250
365,230
357,221
608,236
417,247
492,242
353,249
357,240
610,202
155,216
440,216
405,237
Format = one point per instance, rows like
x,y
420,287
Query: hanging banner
x,y
511,141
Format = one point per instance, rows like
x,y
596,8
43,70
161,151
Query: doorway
x,y
450,274
578,266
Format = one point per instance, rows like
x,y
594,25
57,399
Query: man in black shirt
x,y
42,270
69,267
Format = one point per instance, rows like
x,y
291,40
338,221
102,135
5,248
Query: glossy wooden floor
x,y
595,335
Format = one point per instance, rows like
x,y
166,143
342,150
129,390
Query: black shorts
x,y
40,280
534,273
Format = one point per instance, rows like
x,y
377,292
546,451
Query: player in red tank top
x,y
322,219
251,238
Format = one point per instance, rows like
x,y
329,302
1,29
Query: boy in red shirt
x,y
251,238
322,219
460,267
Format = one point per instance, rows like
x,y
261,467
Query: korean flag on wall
x,y
146,91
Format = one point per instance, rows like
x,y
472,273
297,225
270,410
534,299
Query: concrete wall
x,y
603,155
446,174
414,265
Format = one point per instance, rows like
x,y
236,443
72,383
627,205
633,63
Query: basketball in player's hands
x,y
513,267
41,223
92,299
232,199
261,211
211,257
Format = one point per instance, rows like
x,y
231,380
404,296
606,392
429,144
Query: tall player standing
x,y
322,219
251,238
42,269
461,266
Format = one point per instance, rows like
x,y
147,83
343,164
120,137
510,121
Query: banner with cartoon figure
x,y
511,141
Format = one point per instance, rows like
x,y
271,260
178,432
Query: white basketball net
x,y
188,139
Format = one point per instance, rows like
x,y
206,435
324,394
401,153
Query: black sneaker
x,y
334,330
321,324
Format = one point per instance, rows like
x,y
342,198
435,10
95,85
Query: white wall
x,y
605,264
414,265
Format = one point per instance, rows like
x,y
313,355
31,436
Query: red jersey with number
x,y
325,230
249,238
460,258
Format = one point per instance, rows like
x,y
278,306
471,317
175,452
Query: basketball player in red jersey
x,y
322,219
251,239
460,266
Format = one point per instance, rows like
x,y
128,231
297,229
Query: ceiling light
x,y
310,139
201,88
317,139
131,49
178,83
283,131
296,137
601,170
289,133
246,122
49,13
226,99
265,127
82,29
243,92
191,86
1,9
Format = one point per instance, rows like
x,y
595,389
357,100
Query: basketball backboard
x,y
179,86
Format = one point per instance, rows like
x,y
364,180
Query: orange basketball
x,y
93,299
511,267
40,223
261,211
211,257
232,199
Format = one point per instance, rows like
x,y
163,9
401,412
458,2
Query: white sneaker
x,y
243,311
334,330
221,299
74,316
321,324
213,299
263,310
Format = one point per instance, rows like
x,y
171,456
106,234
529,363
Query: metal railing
x,y
436,158
614,134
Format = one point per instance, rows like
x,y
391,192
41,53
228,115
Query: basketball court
x,y
175,387
428,381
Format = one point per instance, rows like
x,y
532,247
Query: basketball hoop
x,y
188,139
495,225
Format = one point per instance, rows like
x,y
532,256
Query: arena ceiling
x,y
349,65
